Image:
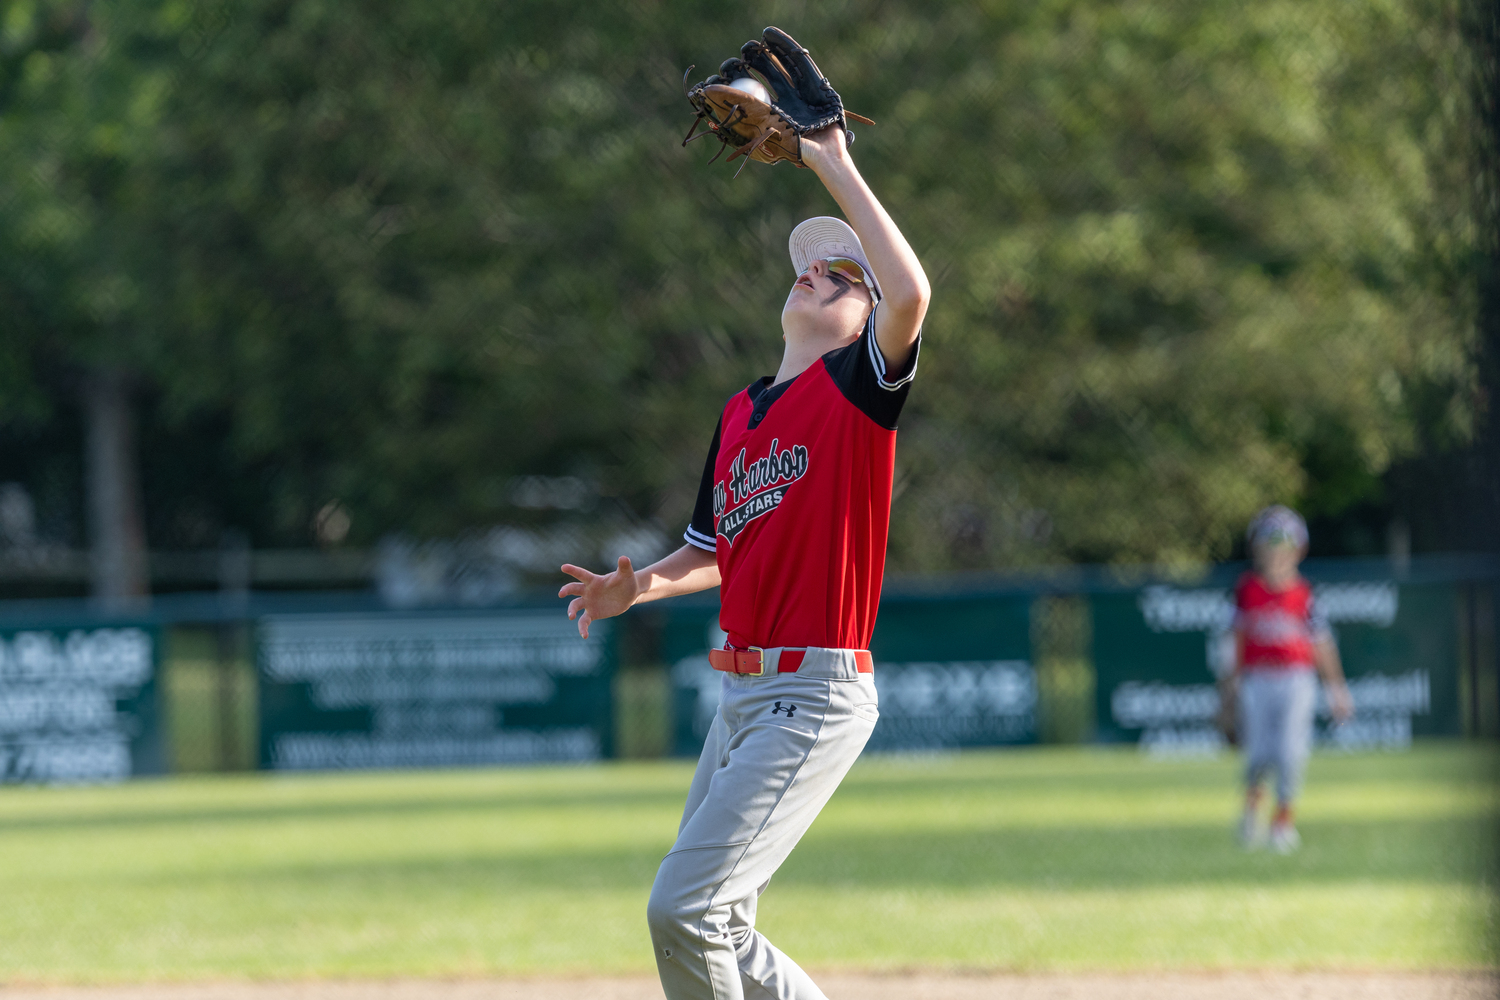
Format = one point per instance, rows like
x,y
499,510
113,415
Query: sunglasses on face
x,y
850,270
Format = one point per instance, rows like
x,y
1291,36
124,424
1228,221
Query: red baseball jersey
x,y
1280,627
796,500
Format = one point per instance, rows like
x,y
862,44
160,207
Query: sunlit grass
x,y
1042,859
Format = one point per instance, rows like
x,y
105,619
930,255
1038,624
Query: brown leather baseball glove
x,y
764,100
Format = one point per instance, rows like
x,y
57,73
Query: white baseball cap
x,y
1277,521
822,237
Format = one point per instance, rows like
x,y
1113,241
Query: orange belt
x,y
752,661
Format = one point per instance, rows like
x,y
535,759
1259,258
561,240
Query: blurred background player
x,y
1282,646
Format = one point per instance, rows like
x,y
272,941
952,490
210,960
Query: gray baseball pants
x,y
776,751
1276,709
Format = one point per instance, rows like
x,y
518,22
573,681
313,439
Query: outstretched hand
x,y
597,596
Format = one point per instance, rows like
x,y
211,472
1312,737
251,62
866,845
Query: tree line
x,y
265,260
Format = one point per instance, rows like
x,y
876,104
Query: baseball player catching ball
x,y
1282,645
790,525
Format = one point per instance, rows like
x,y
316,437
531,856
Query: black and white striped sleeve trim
x,y
699,541
861,373
700,529
886,379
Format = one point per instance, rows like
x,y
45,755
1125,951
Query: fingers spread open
x,y
569,589
578,572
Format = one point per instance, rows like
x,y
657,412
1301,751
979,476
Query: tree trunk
x,y
117,531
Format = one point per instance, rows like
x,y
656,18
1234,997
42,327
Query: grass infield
x,y
1067,859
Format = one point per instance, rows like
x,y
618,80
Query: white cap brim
x,y
824,236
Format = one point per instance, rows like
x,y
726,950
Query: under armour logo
x,y
788,710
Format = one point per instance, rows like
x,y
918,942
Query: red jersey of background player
x,y
1280,627
796,500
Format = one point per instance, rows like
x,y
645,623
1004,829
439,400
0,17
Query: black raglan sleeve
x,y
861,374
700,531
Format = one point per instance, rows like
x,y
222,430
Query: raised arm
x,y
605,595
903,283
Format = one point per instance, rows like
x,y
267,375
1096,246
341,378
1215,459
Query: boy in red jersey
x,y
790,525
1282,645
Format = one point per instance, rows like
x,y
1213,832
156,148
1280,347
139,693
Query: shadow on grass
x,y
498,805
1125,769
1066,859
994,774
1095,857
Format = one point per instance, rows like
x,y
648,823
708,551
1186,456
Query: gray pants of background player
x,y
775,753
1276,716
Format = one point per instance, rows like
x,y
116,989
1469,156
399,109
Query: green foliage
x,y
1186,258
1004,860
82,101
1211,238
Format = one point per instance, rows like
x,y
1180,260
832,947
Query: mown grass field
x,y
1024,860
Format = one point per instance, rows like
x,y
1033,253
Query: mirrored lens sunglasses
x,y
851,270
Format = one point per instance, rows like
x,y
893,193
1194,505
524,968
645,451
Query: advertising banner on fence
x,y
1159,650
79,705
950,672
430,690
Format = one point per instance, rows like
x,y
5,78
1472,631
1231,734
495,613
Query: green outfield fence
x,y
298,681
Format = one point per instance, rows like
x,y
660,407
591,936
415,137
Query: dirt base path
x,y
844,986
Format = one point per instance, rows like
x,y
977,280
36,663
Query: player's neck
x,y
1277,581
803,351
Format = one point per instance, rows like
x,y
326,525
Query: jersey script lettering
x,y
756,488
